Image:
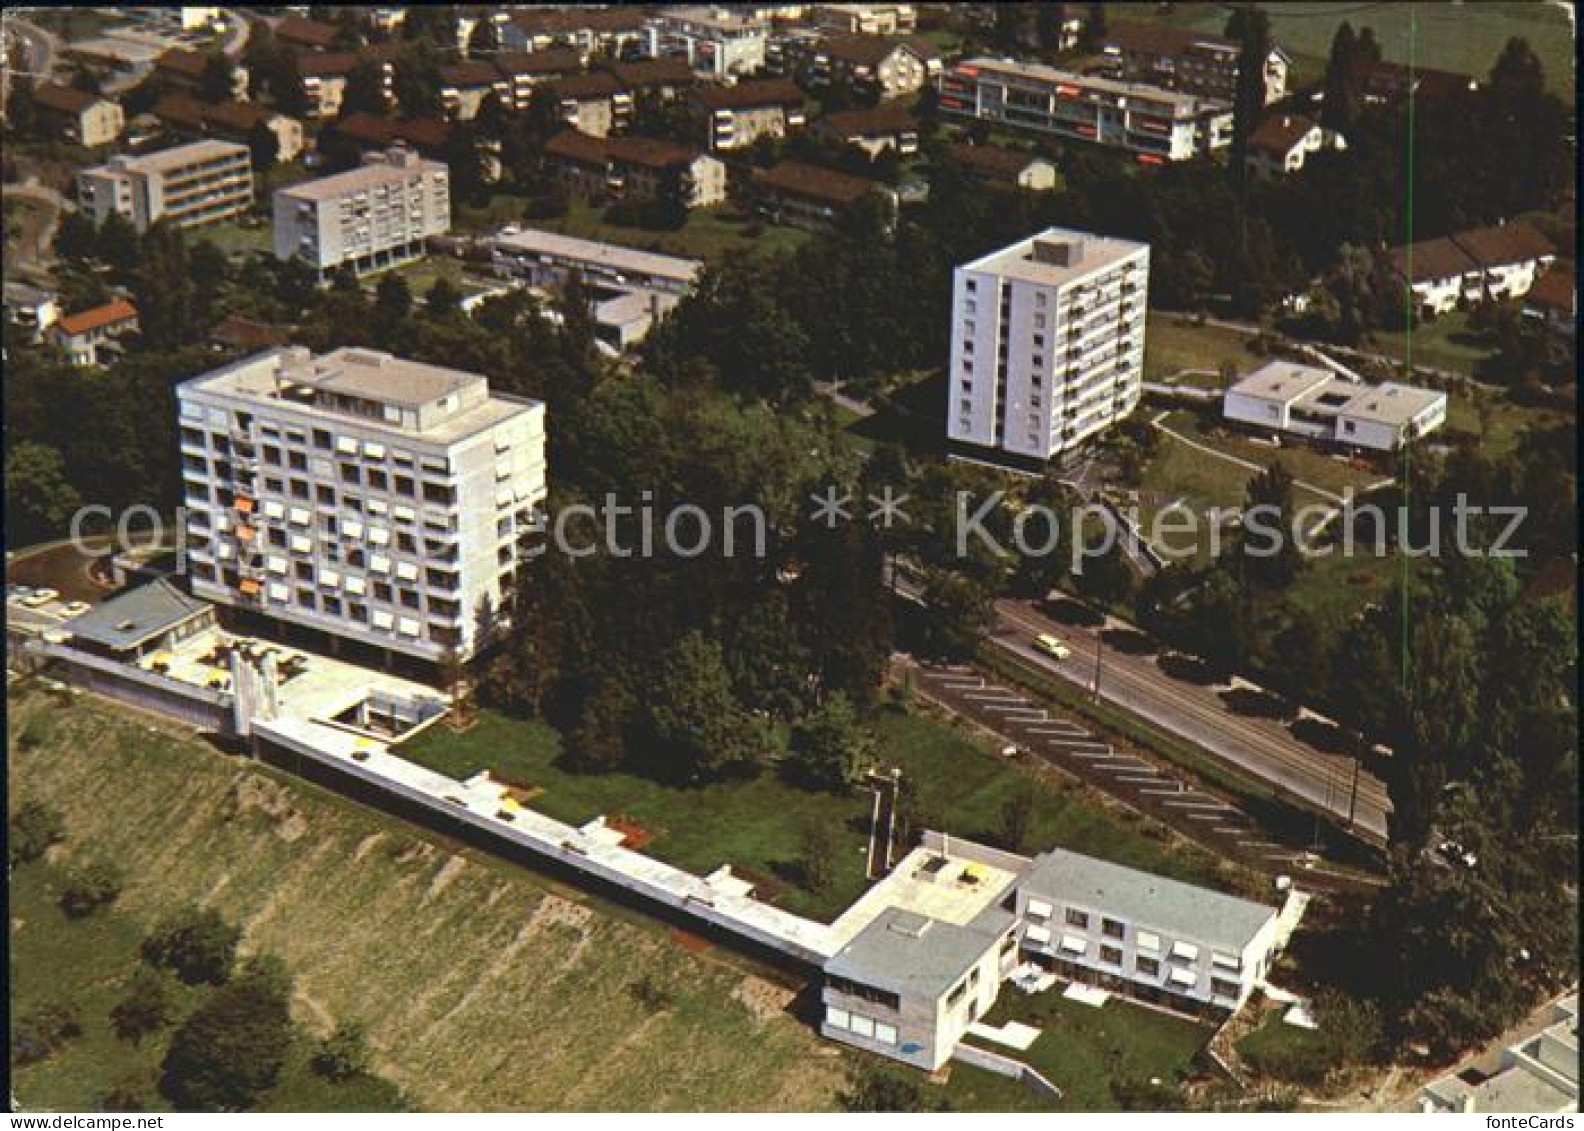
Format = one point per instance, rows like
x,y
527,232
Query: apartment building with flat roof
x,y
1047,345
1188,61
358,495
369,218
1153,124
190,185
714,41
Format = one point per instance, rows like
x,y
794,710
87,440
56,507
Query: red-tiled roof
x,y
825,185
594,85
881,120
993,161
309,33
1280,132
1556,290
375,130
1393,80
110,314
1431,259
328,64
235,330
549,20
180,61
237,117
551,61
860,50
1160,39
1513,242
180,110
573,145
648,152
750,95
668,71
473,73
66,99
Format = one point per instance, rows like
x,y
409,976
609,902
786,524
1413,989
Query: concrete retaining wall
x,y
1006,1066
200,707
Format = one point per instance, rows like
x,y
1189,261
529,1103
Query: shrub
x,y
34,829
127,1093
43,1031
197,944
146,1008
650,994
89,887
343,1054
231,1050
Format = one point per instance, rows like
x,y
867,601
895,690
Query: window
x,y
1076,918
1149,966
885,1034
1112,929
1111,954
325,495
321,439
837,1018
968,328
972,285
1220,987
378,480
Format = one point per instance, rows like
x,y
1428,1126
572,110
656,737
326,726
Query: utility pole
x,y
1099,646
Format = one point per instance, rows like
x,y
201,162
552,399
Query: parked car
x,y
75,608
40,597
1051,646
18,592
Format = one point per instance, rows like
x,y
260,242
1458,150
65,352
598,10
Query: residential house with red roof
x,y
79,117
1466,268
635,169
1283,142
86,334
733,117
874,131
809,196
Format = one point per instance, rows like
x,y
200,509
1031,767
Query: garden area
x,y
1093,1054
1172,343
767,828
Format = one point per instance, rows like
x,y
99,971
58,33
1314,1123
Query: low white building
x,y
1540,1074
1301,400
1470,267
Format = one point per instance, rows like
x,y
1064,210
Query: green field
x,y
710,233
483,986
1172,344
1495,421
1450,37
1084,1050
1447,342
758,825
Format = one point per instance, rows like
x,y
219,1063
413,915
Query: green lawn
x,y
1172,343
1447,342
1307,464
88,964
1452,37
758,825
1494,420
236,238
1084,1050
710,233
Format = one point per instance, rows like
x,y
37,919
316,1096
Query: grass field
x,y
1496,421
88,963
1084,1050
1172,344
483,986
710,233
1446,343
758,826
1451,37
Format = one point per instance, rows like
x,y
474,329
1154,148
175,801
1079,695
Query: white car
x,y
40,597
75,608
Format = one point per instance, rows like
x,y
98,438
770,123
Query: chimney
x,y
1064,253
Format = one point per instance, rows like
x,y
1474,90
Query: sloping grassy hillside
x,y
480,986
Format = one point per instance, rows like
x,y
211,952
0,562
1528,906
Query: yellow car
x,y
1051,646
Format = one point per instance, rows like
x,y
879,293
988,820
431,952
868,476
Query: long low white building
x,y
1302,400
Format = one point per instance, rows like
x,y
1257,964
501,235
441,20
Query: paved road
x,y
241,27
37,250
1161,791
1262,748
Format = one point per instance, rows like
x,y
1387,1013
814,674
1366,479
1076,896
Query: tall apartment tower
x,y
368,498
1047,346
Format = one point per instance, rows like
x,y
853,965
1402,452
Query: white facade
x,y
365,496
373,217
715,41
190,185
1282,396
1047,344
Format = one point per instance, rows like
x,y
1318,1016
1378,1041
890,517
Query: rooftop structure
x,y
1539,1074
131,623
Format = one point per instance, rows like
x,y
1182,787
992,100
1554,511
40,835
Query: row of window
x,y
860,1026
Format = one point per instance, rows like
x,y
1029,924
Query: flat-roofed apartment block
x,y
715,41
1301,400
1047,345
361,495
1154,124
190,185
1157,939
369,218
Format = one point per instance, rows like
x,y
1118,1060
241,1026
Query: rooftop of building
x,y
377,169
1320,390
67,99
750,95
1556,290
535,241
564,20
309,33
995,160
933,883
1056,256
469,73
665,71
165,160
550,61
860,50
916,956
326,64
374,129
1390,403
1280,132
885,119
113,313
1181,911
292,377
1182,105
825,185
716,18
136,616
1162,39
1282,381
1430,260
1513,242
595,84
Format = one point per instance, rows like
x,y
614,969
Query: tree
x,y
263,146
1250,27
343,1054
22,107
146,1008
165,288
1017,817
197,944
215,84
231,1049
127,1093
484,39
1093,33
393,304
443,299
40,499
1343,81
417,83
831,747
75,236
816,864
365,89
698,726
43,1031
598,740
34,830
1270,554
118,245
89,887
872,1089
